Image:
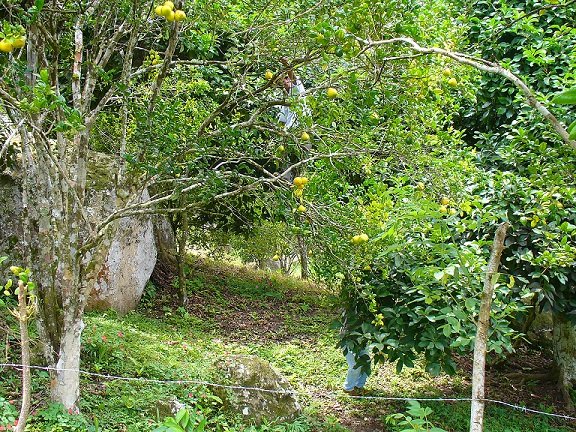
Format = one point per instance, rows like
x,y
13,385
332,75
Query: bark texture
x,y
483,327
564,344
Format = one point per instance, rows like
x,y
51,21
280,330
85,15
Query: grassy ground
x,y
169,352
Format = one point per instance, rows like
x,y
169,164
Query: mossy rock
x,y
256,391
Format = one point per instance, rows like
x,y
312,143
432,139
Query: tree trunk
x,y
302,250
564,346
483,327
25,344
65,385
182,293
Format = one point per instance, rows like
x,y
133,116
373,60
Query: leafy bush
x,y
55,418
8,413
184,421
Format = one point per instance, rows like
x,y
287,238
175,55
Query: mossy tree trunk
x,y
182,259
564,345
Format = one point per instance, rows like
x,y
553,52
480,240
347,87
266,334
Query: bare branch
x,y
165,66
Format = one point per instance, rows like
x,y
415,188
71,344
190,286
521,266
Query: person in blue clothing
x,y
359,365
356,377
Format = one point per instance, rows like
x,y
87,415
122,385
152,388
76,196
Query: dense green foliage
x,y
530,171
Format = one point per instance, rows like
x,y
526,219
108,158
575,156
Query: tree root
x,y
523,377
164,275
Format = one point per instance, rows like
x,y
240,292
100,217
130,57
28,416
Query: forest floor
x,y
245,316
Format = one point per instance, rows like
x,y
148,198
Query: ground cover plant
x,y
163,350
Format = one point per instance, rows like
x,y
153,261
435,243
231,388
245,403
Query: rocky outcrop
x,y
129,264
256,391
132,254
11,217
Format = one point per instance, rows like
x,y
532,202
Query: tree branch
x,y
485,66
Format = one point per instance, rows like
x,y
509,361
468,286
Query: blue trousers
x,y
355,377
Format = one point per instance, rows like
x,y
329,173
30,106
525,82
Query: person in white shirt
x,y
294,88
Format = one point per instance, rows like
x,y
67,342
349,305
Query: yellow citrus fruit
x,y
20,42
269,75
298,192
179,15
301,208
363,238
446,72
332,92
158,10
443,209
6,46
297,181
281,148
444,201
169,4
165,11
171,16
304,180
356,239
305,136
276,257
452,82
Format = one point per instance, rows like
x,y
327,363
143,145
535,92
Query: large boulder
x,y
256,391
132,254
10,219
129,264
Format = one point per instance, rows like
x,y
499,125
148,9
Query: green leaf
x,y
567,97
44,76
433,369
439,275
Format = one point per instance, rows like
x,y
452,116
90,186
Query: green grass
x,y
170,352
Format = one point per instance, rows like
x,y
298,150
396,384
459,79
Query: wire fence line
x,y
291,392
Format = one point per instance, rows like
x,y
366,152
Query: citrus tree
x,y
519,149
73,69
529,185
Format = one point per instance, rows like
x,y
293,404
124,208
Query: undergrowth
x,y
137,363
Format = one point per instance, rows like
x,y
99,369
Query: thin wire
x,y
291,392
